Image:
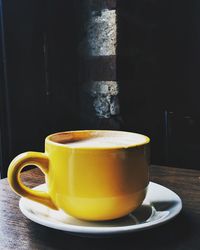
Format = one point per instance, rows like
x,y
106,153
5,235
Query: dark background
x,y
158,58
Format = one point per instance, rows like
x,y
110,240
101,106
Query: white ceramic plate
x,y
161,205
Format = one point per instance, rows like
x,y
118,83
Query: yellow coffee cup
x,y
90,174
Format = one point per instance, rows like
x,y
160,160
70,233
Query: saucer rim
x,y
89,230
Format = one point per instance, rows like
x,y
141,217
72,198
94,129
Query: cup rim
x,y
49,141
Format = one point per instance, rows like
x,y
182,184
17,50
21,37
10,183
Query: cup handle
x,y
18,163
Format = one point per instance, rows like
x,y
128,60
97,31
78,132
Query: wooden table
x,y
182,233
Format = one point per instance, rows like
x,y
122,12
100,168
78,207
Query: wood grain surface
x,y
182,233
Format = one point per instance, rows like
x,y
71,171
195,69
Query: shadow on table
x,y
171,235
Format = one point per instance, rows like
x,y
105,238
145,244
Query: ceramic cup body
x,y
88,183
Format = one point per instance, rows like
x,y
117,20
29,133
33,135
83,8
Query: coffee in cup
x,y
90,174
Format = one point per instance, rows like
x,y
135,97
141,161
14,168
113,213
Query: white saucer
x,y
161,205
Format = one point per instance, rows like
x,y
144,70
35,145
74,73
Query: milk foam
x,y
109,140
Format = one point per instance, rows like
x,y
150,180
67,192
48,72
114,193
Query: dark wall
x,y
158,68
40,89
140,59
158,55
